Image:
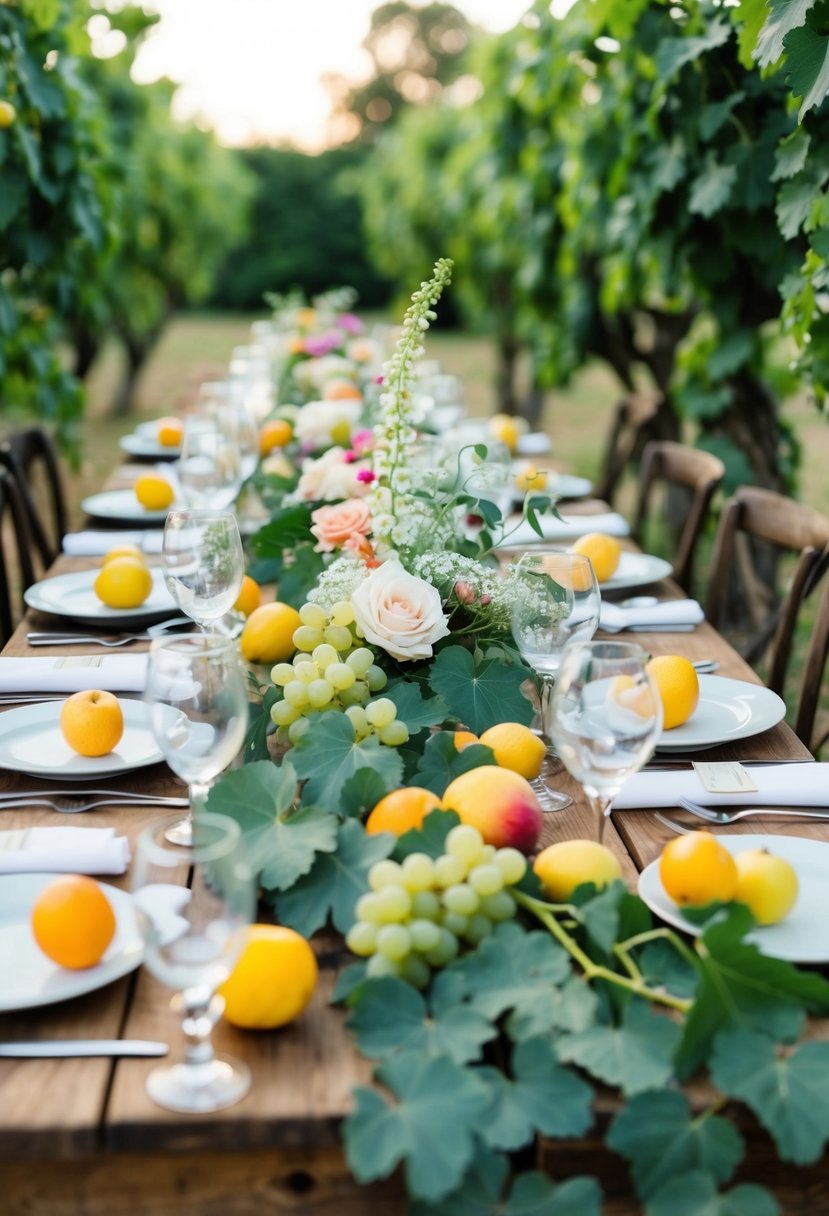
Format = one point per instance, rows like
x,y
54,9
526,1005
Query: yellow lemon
x,y
268,635
507,429
273,980
153,492
696,868
124,582
463,738
124,551
402,810
637,697
92,722
678,686
169,432
250,597
7,114
768,884
564,866
516,747
530,480
604,553
575,575
274,434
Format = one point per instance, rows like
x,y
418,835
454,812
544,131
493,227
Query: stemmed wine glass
x,y
209,470
200,678
193,935
606,717
203,562
559,602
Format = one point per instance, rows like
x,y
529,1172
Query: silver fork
x,y
725,817
73,806
69,639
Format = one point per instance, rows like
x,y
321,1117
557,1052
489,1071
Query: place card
x,y
79,660
724,777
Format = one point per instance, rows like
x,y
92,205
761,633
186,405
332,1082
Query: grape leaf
x,y
391,1016
788,1094
430,838
534,1194
657,1133
299,574
514,970
480,695
479,1194
712,188
696,1194
791,154
541,1096
362,791
429,1126
664,967
807,61
282,843
441,761
348,981
327,755
417,711
260,727
600,915
635,1056
335,882
288,527
784,16
674,53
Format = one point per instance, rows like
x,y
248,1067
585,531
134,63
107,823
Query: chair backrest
x,y
784,524
16,571
628,433
31,456
812,681
700,474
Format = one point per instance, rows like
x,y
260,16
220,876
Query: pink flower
x,y
322,344
362,441
464,591
350,323
335,526
366,476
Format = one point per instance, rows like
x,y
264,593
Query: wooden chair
x,y
16,570
632,416
696,476
30,456
812,682
787,525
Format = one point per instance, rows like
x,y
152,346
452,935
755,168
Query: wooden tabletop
x,y
81,1136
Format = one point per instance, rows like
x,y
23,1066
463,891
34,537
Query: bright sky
x,y
253,68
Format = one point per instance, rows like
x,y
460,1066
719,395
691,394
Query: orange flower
x,y
334,526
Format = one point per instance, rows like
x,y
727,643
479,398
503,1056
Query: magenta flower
x,y
350,323
322,344
362,441
366,476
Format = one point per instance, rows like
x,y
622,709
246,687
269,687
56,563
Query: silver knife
x,y
66,1048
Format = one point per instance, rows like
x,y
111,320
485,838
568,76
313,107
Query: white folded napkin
x,y
777,785
534,443
63,851
569,527
110,672
667,614
92,543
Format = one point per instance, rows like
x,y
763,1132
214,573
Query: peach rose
x,y
333,526
398,612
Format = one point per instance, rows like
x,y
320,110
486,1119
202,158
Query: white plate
x,y
73,595
123,506
148,447
29,977
31,742
563,485
637,570
727,710
534,443
803,936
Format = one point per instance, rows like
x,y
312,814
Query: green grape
x,y
306,638
357,694
298,730
478,928
394,942
324,655
340,676
418,872
296,693
449,870
498,907
283,713
320,693
396,903
395,734
378,967
415,971
425,935
486,879
425,904
455,922
381,712
342,613
282,674
466,843
461,899
360,660
369,907
339,637
385,874
362,938
446,949
282,735
306,670
487,854
357,717
512,864
376,678
313,615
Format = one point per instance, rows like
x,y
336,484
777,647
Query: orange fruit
x,y
576,576
564,866
153,492
124,551
92,722
678,685
696,869
507,429
250,597
341,390
462,739
274,434
515,747
124,582
604,553
628,694
402,810
169,432
73,922
268,635
273,980
500,804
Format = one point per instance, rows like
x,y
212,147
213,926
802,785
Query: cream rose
x,y
398,612
330,478
333,526
321,423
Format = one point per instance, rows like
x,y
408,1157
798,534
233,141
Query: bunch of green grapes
x,y
420,912
333,671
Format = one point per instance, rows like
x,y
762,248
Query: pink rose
x,y
335,525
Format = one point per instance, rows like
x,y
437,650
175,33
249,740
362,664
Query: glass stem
x,y
201,1011
198,792
548,684
601,805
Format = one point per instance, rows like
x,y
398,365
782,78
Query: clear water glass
x,y
606,717
203,562
192,905
209,471
560,603
201,678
